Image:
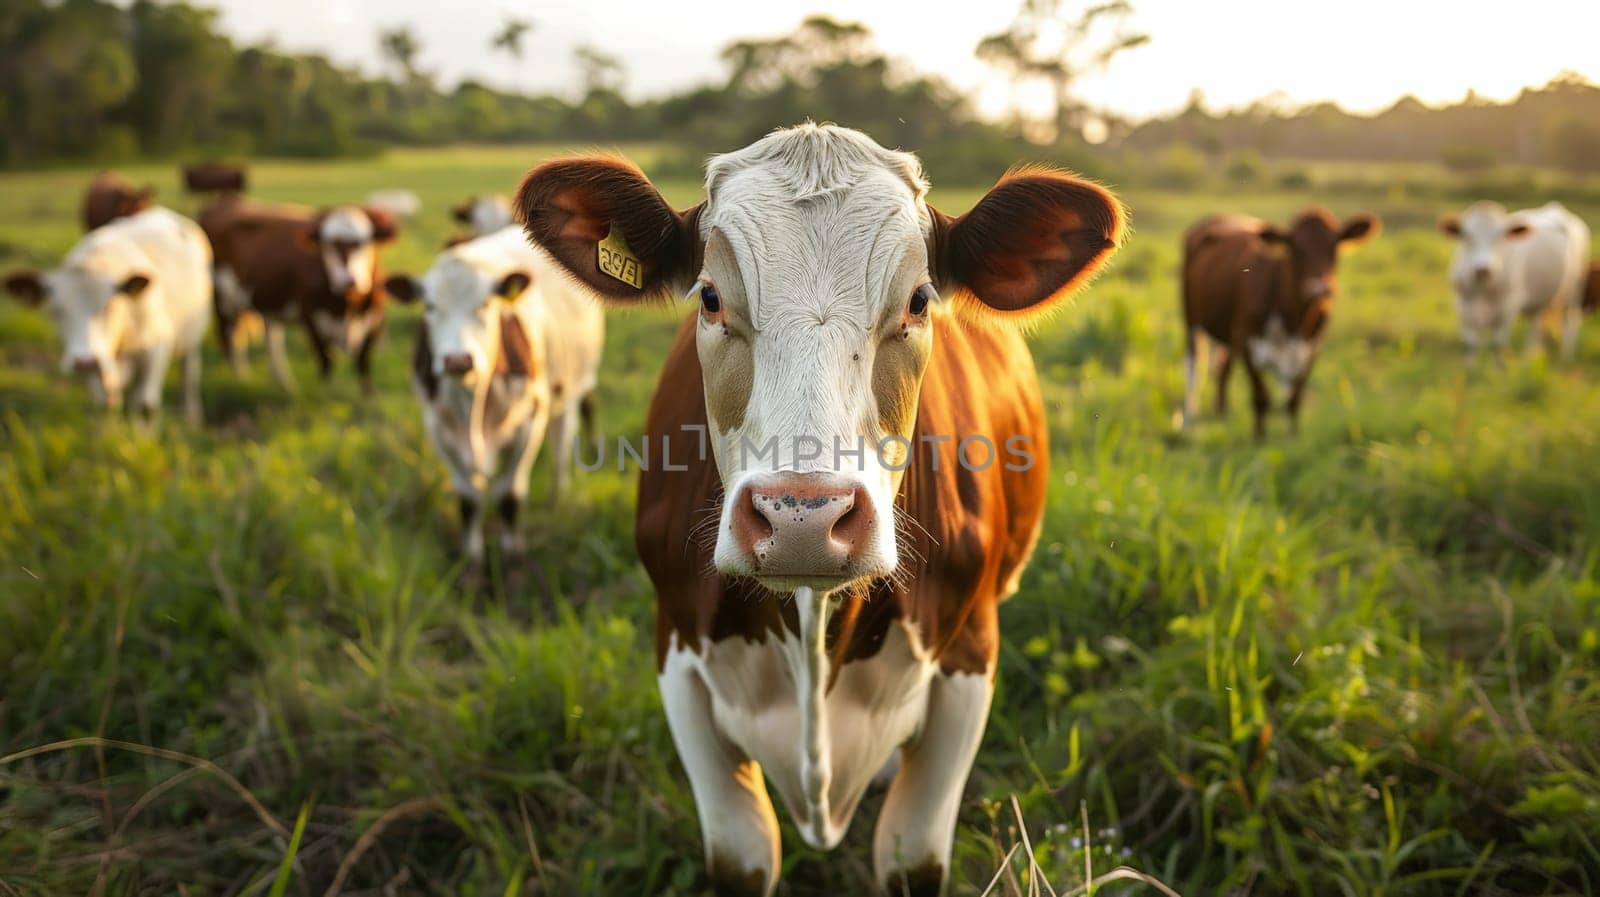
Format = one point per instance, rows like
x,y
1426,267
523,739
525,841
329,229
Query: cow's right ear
x,y
1271,234
462,213
1450,226
27,285
403,288
610,227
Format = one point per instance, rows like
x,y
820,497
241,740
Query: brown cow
x,y
285,262
111,196
816,615
1591,293
213,177
1263,294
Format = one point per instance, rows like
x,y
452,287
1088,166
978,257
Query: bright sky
x,y
1362,54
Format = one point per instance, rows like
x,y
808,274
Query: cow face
x,y
472,318
1313,242
1485,234
95,316
483,214
817,267
347,239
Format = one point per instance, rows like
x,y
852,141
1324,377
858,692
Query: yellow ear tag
x,y
618,261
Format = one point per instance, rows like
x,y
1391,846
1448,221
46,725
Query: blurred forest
x,y
87,80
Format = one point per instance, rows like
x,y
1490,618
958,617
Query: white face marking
x,y
348,253
1479,265
816,239
1286,356
93,320
463,312
489,214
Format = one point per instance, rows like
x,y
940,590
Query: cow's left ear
x,y
134,286
384,230
1030,242
1360,228
404,288
27,285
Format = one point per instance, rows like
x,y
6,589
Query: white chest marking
x,y
1285,356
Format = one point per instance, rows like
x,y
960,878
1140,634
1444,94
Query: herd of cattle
x,y
831,302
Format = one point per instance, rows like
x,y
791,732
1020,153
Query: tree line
x,y
89,80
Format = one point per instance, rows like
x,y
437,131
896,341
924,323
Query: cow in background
x,y
131,295
481,215
111,196
827,585
509,349
1591,294
289,263
214,177
1262,293
1531,265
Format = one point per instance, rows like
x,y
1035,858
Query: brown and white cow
x,y
483,214
214,177
509,349
1263,294
111,196
828,577
294,263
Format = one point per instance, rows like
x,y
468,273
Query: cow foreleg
x,y
737,824
364,360
1191,379
278,354
1260,396
1224,370
563,431
1571,327
320,348
911,845
510,490
1297,391
147,396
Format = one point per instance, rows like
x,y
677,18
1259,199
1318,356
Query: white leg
x,y
1571,327
148,395
911,845
509,491
739,829
192,410
1535,336
563,430
278,355
1191,378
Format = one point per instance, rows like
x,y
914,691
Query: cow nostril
x,y
86,365
750,523
851,526
457,364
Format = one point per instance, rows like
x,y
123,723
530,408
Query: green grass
x,y
1360,661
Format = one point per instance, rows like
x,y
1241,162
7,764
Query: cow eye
x,y
709,300
920,297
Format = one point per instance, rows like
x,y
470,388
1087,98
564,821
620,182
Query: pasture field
x,y
1360,661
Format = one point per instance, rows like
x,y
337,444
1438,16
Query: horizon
x,y
666,52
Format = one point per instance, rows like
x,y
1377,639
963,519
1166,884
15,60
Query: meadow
x,y
1364,660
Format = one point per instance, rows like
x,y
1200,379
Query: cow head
x,y
1485,232
477,322
94,312
483,214
346,239
1312,243
817,265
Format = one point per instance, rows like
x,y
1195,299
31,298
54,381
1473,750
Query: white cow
x,y
509,346
129,297
483,214
1528,264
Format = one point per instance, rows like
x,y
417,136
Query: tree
x,y
1051,43
509,38
598,71
400,46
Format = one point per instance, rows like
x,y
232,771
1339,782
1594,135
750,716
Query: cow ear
x,y
462,213
1271,234
384,229
1450,226
404,288
511,287
1360,228
1029,243
27,285
309,235
1518,230
610,227
134,286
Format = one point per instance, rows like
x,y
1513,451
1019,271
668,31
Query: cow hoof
x,y
926,880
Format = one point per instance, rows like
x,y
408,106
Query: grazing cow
x,y
111,196
398,204
817,614
213,177
483,214
1527,264
508,344
286,262
1263,294
131,295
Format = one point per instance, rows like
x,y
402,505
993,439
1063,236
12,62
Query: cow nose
x,y
1480,274
86,364
457,363
796,524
